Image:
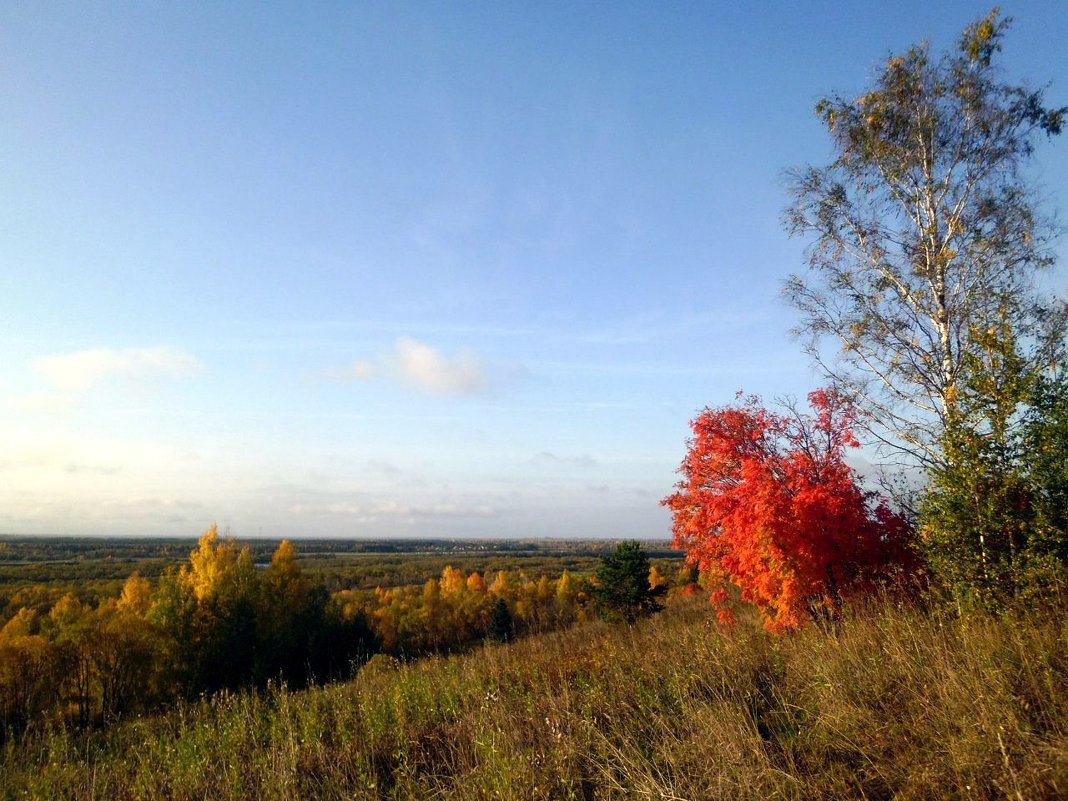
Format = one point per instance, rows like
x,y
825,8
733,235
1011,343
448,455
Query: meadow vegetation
x,y
889,703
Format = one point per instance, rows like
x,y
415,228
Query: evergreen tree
x,y
622,589
500,624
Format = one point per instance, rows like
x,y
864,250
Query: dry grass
x,y
891,705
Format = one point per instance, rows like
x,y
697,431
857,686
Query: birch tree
x,y
926,234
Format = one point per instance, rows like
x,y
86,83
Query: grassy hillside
x,y
892,705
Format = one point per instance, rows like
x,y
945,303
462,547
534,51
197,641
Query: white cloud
x,y
430,371
81,370
422,367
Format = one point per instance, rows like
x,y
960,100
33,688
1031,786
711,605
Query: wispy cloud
x,y
422,367
398,509
81,370
549,459
360,370
35,452
383,468
44,513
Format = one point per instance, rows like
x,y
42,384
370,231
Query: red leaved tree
x,y
767,503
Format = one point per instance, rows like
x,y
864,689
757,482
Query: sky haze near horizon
x,y
411,269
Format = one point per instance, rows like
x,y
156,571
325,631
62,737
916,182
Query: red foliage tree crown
x,y
768,503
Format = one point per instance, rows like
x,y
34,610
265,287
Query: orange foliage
x,y
475,583
767,503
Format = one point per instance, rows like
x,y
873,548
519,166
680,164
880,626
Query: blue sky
x,y
392,269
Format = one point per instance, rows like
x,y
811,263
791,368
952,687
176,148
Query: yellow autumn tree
x,y
452,583
502,586
565,607
28,672
216,567
656,578
136,597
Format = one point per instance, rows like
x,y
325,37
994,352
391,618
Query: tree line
x,y
219,622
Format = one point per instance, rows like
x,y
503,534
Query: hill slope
x,y
892,705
